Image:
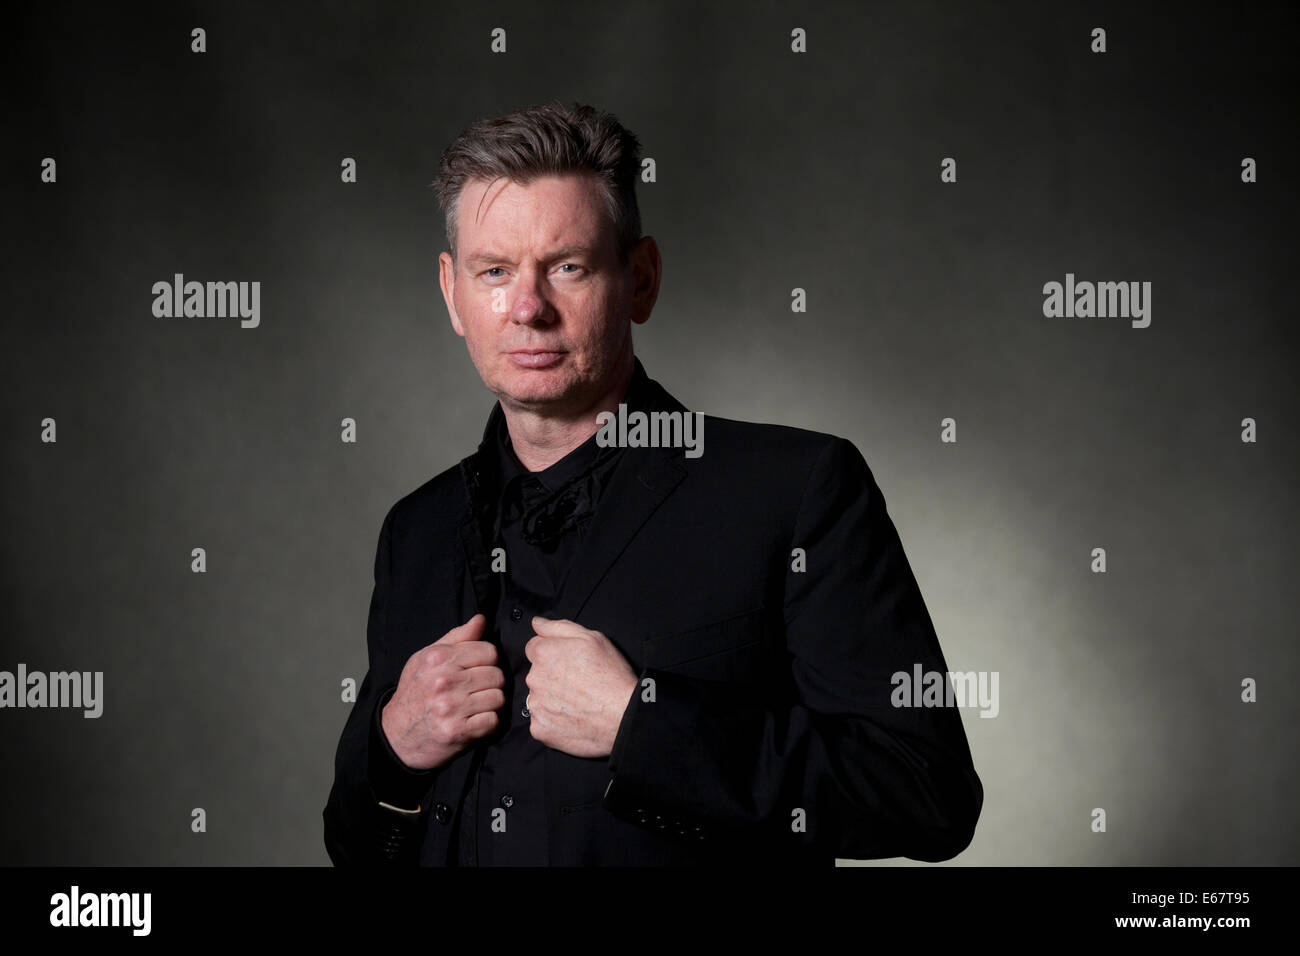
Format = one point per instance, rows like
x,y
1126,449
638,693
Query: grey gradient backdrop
x,y
775,170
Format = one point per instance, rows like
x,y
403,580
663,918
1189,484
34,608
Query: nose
x,y
530,305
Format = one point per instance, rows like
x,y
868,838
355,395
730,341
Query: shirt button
x,y
525,712
516,614
507,800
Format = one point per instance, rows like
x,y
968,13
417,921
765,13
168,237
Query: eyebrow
x,y
483,258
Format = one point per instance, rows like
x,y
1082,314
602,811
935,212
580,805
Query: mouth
x,y
535,358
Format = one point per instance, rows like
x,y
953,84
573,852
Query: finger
x,y
482,724
475,654
482,701
471,630
544,659
545,627
483,677
539,729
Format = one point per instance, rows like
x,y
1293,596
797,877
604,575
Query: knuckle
x,y
442,733
440,683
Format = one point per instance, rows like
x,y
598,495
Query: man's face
x,y
538,293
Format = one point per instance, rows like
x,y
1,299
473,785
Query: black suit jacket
x,y
767,733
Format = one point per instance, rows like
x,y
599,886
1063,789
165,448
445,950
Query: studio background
x,y
775,170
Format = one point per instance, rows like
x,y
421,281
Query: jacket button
x,y
507,800
442,813
516,614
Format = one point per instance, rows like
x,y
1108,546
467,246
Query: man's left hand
x,y
579,686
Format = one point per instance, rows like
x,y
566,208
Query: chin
x,y
541,385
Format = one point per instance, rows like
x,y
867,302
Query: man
x,y
586,649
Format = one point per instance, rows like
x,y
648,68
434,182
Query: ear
x,y
447,279
646,267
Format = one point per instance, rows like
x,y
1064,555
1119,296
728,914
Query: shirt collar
x,y
554,476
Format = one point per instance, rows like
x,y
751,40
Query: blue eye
x,y
494,269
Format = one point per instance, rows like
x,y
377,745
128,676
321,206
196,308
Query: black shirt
x,y
541,519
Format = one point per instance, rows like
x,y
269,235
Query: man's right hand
x,y
446,698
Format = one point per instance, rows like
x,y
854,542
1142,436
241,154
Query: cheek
x,y
598,330
476,321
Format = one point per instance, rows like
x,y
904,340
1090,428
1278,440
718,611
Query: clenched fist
x,y
446,698
579,685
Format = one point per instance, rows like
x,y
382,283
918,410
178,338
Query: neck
x,y
540,439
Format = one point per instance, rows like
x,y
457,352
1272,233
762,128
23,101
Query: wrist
x,y
388,727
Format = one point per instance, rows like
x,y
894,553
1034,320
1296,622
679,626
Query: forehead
x,y
548,209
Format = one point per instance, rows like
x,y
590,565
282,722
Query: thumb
x,y
471,630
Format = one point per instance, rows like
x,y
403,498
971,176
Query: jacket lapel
x,y
641,482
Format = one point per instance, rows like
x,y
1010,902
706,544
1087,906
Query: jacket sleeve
x,y
840,768
359,829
